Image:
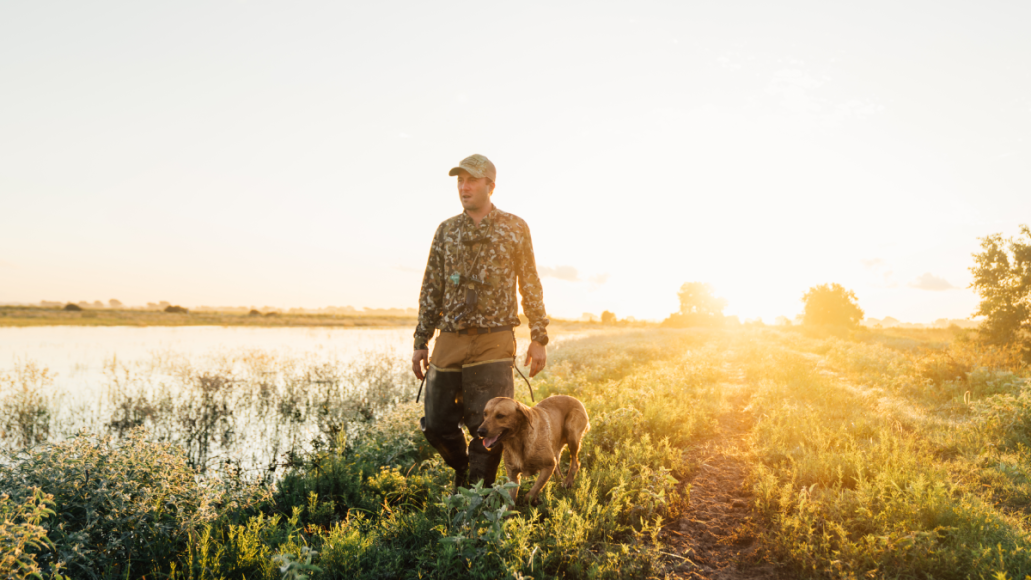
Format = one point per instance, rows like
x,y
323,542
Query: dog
x,y
533,437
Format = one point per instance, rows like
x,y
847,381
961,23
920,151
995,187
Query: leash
x,y
419,394
515,366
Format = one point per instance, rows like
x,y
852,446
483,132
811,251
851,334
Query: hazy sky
x,y
296,154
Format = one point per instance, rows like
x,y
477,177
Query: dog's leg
x,y
558,463
575,426
514,476
574,462
542,477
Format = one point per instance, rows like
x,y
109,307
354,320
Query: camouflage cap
x,y
478,166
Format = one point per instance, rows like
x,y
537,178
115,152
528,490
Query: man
x,y
477,259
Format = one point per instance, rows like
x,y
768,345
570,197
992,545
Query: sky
x,y
296,154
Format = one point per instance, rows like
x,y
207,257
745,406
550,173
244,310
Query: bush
x,y
122,510
21,536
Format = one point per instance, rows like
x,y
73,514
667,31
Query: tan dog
x,y
533,437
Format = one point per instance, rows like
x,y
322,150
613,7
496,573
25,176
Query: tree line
x,y
1002,279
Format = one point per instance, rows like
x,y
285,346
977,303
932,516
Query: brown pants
x,y
453,351
466,371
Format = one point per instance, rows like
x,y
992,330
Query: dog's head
x,y
501,418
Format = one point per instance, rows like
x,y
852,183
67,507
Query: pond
x,y
77,355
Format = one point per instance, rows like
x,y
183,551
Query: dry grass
x,y
38,316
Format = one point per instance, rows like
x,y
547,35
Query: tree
x,y
115,303
1002,277
698,306
608,317
696,299
831,304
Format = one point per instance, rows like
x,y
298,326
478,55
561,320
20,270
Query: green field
x,y
739,453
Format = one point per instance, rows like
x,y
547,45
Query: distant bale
x,y
254,313
176,310
72,307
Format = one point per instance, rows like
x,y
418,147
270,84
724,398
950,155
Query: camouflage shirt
x,y
489,260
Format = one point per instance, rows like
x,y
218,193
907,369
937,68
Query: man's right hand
x,y
421,363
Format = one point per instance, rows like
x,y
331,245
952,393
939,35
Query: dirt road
x,y
716,537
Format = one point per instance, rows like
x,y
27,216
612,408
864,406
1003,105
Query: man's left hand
x,y
538,355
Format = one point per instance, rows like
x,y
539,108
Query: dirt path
x,y
716,537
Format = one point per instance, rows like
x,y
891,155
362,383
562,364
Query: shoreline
x,y
20,316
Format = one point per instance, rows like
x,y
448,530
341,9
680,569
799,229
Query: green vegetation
x,y
1002,276
895,454
377,504
890,455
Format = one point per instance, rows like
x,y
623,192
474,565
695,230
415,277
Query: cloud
x,y
792,88
796,90
872,263
567,273
599,279
928,281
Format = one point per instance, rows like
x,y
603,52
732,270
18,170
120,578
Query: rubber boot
x,y
481,383
442,423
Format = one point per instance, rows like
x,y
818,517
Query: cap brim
x,y
454,172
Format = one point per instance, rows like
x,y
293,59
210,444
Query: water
x,y
239,393
77,354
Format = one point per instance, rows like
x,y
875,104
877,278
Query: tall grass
x,y
27,405
251,410
872,460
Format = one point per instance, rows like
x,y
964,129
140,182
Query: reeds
x,y
249,410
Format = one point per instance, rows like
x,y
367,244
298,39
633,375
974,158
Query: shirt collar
x,y
487,219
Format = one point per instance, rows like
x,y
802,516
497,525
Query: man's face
x,y
473,192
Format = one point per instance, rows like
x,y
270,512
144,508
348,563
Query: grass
x,y
41,316
894,454
874,462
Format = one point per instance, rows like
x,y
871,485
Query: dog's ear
x,y
524,413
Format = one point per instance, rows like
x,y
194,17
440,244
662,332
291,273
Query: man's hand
x,y
421,363
538,354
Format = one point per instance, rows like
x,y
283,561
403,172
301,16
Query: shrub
x,y
21,536
121,509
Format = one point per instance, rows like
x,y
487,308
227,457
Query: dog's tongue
x,y
488,443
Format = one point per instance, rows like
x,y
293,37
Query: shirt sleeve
x,y
531,290
431,296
